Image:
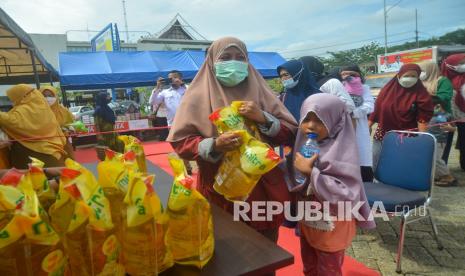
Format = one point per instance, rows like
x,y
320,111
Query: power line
x,y
339,44
390,44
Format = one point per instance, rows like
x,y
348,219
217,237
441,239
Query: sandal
x,y
446,183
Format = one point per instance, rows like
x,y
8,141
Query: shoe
x,y
446,181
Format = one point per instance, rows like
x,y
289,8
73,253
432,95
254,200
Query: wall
x,y
49,46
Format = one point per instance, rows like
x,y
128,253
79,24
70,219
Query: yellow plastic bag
x,y
190,230
241,169
144,248
228,119
133,144
28,245
113,176
40,183
83,212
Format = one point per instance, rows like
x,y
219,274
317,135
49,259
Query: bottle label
x,y
54,262
110,247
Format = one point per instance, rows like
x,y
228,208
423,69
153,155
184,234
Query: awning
x,y
84,70
18,55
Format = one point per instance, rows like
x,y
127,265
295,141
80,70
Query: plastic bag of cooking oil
x,y
82,213
113,176
228,119
40,183
241,169
190,229
144,248
133,144
28,245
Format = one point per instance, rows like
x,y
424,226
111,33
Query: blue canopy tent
x,y
98,70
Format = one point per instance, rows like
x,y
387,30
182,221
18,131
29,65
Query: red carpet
x,y
157,153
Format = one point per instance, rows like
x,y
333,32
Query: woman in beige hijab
x,y
440,87
227,76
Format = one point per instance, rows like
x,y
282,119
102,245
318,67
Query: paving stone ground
x,y
377,249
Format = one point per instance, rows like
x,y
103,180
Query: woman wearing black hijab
x,y
105,120
329,83
298,85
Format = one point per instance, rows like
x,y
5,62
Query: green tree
x,y
276,85
367,53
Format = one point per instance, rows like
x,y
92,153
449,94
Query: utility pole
x,y
385,29
125,21
416,29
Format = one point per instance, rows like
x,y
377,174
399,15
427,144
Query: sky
x,y
292,27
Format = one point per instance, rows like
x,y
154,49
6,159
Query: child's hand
x,y
227,142
304,165
251,111
448,128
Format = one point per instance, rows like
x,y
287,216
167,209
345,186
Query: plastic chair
x,y
403,180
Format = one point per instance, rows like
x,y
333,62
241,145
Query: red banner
x,y
393,62
119,125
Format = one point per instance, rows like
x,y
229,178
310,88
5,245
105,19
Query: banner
x,y
106,40
393,62
119,126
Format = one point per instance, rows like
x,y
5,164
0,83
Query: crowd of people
x,y
338,106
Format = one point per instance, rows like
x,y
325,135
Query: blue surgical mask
x,y
232,72
292,82
289,83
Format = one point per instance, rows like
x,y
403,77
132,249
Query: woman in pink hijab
x,y
334,177
227,76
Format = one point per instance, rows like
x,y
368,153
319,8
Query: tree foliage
x,y
367,53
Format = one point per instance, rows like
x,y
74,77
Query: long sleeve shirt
x,y
271,186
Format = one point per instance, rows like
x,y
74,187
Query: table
x,y
239,250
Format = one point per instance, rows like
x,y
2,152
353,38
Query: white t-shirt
x,y
171,98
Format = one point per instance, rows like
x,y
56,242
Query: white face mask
x,y
423,76
407,82
458,68
51,100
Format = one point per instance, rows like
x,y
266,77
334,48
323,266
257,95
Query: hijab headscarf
x,y
336,177
62,114
355,68
334,73
306,86
400,108
31,117
433,74
314,65
354,86
457,79
206,94
103,110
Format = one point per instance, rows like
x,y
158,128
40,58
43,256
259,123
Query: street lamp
x,y
385,25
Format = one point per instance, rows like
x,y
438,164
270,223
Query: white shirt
x,y
335,87
170,97
362,132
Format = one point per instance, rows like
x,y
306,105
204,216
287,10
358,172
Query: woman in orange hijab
x,y
63,115
33,127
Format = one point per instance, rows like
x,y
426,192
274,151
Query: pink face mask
x,y
354,86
